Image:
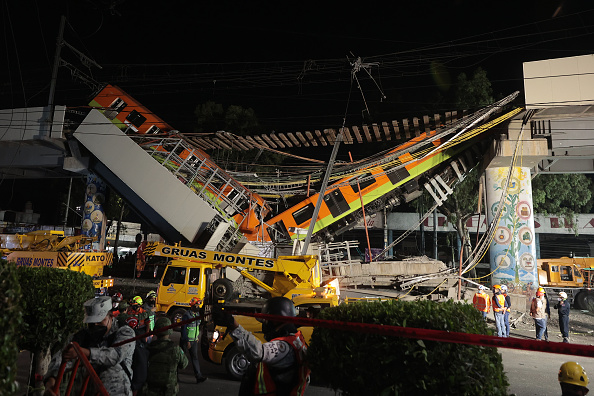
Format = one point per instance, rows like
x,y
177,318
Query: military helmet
x,y
573,373
163,321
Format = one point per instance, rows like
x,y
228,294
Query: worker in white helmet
x,y
563,307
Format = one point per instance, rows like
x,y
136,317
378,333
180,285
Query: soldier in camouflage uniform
x,y
112,364
165,358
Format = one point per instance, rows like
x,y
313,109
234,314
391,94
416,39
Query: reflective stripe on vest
x,y
481,302
501,299
264,384
193,329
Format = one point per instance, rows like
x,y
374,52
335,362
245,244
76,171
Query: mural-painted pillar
x,y
513,248
93,222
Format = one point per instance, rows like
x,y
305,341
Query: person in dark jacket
x,y
562,308
190,337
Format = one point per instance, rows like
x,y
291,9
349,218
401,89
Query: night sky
x,y
290,61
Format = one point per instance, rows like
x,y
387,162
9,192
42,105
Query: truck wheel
x,y
585,300
236,363
222,289
176,317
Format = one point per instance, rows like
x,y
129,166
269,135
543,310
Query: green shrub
x,y
52,305
366,364
10,323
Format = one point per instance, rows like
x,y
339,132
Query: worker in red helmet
x,y
190,337
538,312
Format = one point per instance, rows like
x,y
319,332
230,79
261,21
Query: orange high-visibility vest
x,y
500,298
482,302
265,385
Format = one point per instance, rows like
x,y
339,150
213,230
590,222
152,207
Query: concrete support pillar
x,y
93,221
513,248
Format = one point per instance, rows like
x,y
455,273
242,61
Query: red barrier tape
x,y
439,335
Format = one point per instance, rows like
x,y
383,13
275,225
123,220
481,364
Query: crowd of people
x,y
540,310
146,366
149,366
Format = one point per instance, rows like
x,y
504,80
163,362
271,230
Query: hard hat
x,y
573,373
163,321
194,301
503,288
280,306
137,300
481,287
132,321
540,289
96,309
562,294
151,294
496,286
117,297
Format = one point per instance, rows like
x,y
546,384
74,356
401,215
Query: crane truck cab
x,y
572,275
201,273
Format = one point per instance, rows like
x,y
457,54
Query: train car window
x,y
154,130
304,214
398,175
363,184
136,118
336,202
115,108
554,268
118,105
278,232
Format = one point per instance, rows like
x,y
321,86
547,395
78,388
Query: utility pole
x,y
59,44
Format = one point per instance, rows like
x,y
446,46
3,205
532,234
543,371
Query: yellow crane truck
x,y
573,275
207,275
53,249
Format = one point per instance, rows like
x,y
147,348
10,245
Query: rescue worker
x,y
277,366
499,308
116,299
538,312
112,364
507,309
573,379
190,337
165,359
563,308
150,306
482,302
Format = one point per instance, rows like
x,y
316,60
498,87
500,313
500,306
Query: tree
x,y
213,117
53,309
473,93
460,206
11,324
562,195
